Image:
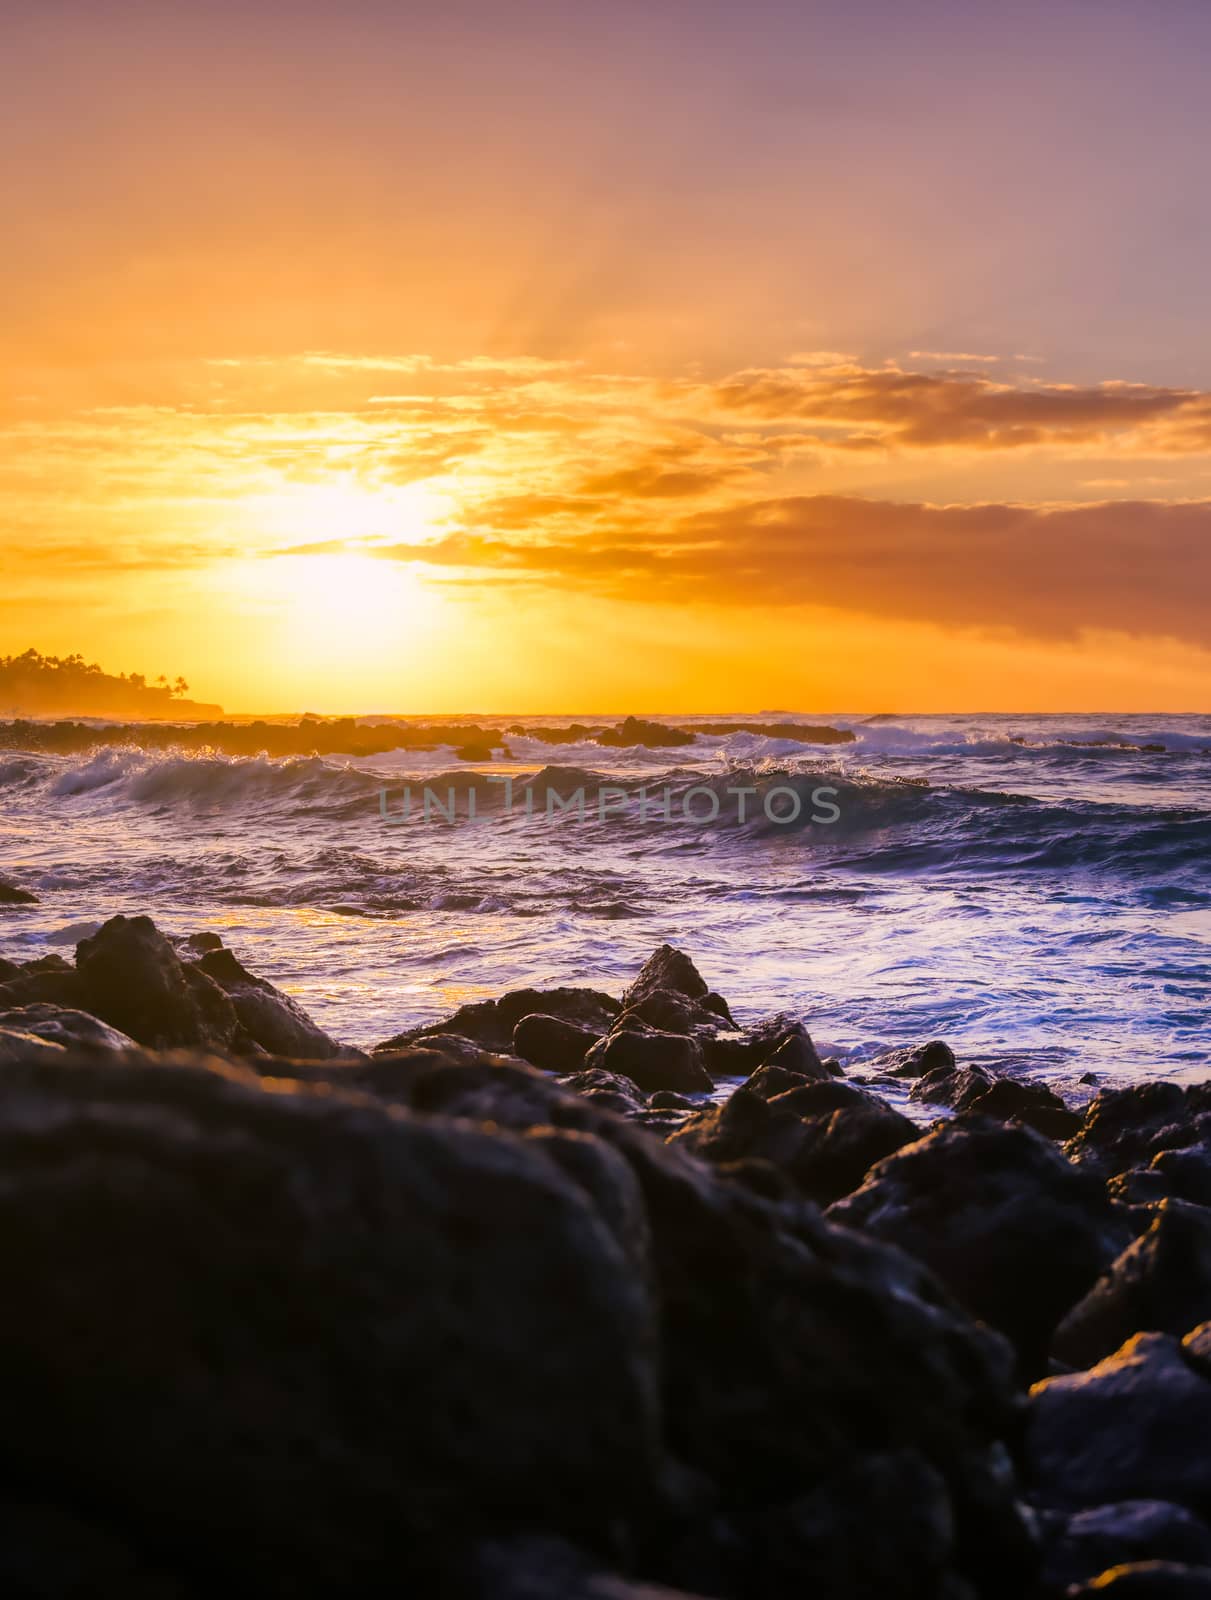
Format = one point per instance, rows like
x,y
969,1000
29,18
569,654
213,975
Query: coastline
x,y
616,1334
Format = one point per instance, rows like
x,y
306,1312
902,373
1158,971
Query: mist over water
x,y
1027,886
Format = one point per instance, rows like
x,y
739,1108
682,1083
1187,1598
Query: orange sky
x,y
582,364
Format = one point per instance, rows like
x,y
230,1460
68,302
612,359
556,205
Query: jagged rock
x,y
131,977
772,1080
270,1018
913,1061
668,969
490,1023
201,943
653,1060
671,1013
824,1136
1171,1174
549,1569
975,1088
1149,1580
795,1052
1161,1283
63,1027
15,1045
1134,1427
1125,1128
49,1551
1014,1231
11,895
1089,1542
375,1332
609,1090
551,1043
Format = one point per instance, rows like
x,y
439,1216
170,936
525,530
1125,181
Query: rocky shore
x,y
518,1306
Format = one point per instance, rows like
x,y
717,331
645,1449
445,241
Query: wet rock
x,y
1015,1232
17,1045
716,1003
653,1060
975,1088
795,1052
538,1568
490,1023
611,1091
11,895
913,1061
824,1136
772,1080
667,969
376,1332
1089,1542
1161,1283
8,969
64,1027
270,1018
818,1327
1149,1580
132,978
666,1100
1125,1128
551,1043
48,1552
200,943
1171,1174
1134,1427
671,1013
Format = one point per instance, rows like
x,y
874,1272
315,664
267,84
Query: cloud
x,y
1133,567
968,411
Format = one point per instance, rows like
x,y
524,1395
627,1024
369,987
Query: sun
x,y
349,607
345,511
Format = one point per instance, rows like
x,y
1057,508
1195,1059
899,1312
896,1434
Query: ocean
x,y
1034,889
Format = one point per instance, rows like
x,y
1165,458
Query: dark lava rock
x,y
771,1080
653,1060
608,1090
491,1022
18,1046
836,1350
716,1003
1014,1231
132,978
375,1332
1160,1284
10,895
200,943
913,1061
1126,1128
975,1088
795,1052
270,1018
636,730
1089,1542
477,750
1171,1174
670,970
1134,1427
824,1136
671,1013
666,1100
8,969
65,1027
1149,1580
551,1043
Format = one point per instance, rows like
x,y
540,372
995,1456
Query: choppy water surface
x,y
1024,885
